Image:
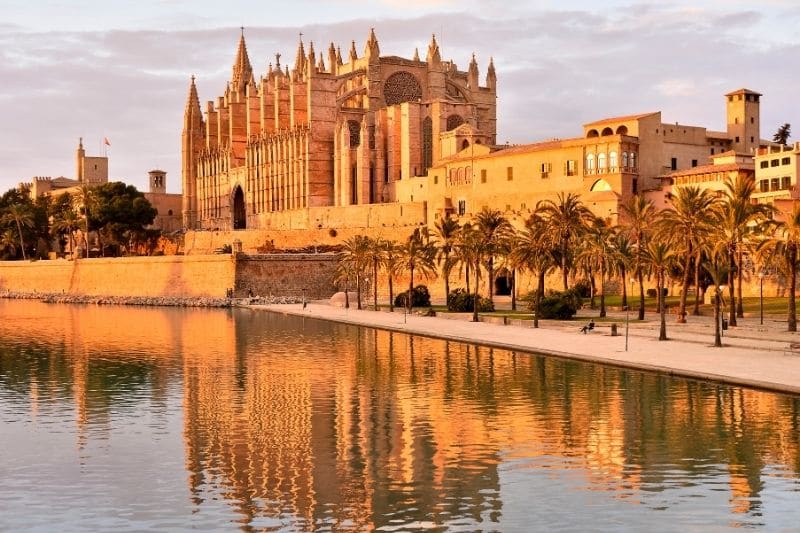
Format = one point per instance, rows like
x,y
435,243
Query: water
x,y
170,419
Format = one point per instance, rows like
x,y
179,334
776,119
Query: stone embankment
x,y
158,301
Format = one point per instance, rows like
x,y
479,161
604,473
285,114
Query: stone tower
x,y
192,141
743,120
158,181
80,156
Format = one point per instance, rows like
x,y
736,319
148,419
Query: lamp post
x,y
627,311
761,295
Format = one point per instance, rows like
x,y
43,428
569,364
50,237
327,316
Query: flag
x,y
106,141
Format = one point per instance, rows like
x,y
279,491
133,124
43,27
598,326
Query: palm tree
x,y
621,260
718,270
783,134
472,249
418,254
392,263
596,253
639,215
8,241
736,217
374,258
21,217
354,254
659,258
68,222
685,225
566,219
782,249
496,231
532,253
446,233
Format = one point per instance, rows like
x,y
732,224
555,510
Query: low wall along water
x,y
198,276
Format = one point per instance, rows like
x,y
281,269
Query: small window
x,y
775,184
737,139
169,212
545,170
786,183
436,180
523,205
633,160
752,139
752,120
712,151
612,161
509,173
624,159
786,161
601,163
674,163
764,164
571,167
736,120
694,163
590,163
764,185
483,175
774,163
462,207
634,185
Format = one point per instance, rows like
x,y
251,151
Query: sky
x,y
120,69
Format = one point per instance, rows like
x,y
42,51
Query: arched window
x,y
592,133
612,161
607,131
465,144
633,160
624,159
355,133
590,163
601,163
454,121
622,130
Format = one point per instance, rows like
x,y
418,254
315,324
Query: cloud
x,y
557,69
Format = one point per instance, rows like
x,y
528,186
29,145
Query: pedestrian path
x,y
757,358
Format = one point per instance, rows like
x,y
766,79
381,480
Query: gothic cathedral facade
x,y
326,132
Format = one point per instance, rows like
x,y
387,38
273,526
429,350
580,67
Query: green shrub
x,y
460,301
560,305
419,298
583,287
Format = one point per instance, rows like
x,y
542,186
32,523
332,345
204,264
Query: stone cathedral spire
x,y
242,70
192,142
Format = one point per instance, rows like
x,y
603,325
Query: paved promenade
x,y
752,354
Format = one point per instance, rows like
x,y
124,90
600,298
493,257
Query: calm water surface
x,y
129,419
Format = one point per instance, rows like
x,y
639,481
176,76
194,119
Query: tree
x,y
496,232
446,233
471,249
67,222
639,216
783,134
119,209
659,258
782,249
718,270
374,258
9,242
736,217
533,253
418,255
566,219
685,225
621,260
596,253
392,264
354,258
20,216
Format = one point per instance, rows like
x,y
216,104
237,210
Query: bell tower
x,y
744,120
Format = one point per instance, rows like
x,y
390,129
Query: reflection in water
x,y
288,423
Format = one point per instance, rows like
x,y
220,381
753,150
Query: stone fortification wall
x,y
315,226
286,275
122,276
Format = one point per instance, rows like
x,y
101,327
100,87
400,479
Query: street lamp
x,y
761,294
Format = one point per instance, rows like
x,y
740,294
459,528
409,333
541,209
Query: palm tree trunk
x,y
640,275
513,289
21,242
466,275
624,287
602,290
732,289
538,299
739,305
346,295
391,294
564,268
358,291
375,283
410,289
687,265
446,283
792,320
490,288
717,337
662,334
592,289
696,310
477,291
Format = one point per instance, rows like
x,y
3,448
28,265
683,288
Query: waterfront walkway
x,y
752,355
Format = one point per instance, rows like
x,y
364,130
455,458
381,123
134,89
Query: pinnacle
x,y
242,70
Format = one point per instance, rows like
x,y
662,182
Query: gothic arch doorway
x,y
239,213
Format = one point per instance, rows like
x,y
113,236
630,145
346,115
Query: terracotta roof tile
x,y
709,169
623,118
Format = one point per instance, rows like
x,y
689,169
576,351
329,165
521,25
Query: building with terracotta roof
x,y
776,174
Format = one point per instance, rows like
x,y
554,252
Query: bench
x,y
792,349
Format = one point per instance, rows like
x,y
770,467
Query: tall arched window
x,y
427,143
633,160
590,163
624,159
612,161
355,133
601,163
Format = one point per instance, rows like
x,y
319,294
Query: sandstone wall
x,y
286,275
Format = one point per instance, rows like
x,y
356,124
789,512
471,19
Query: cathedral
x,y
326,132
